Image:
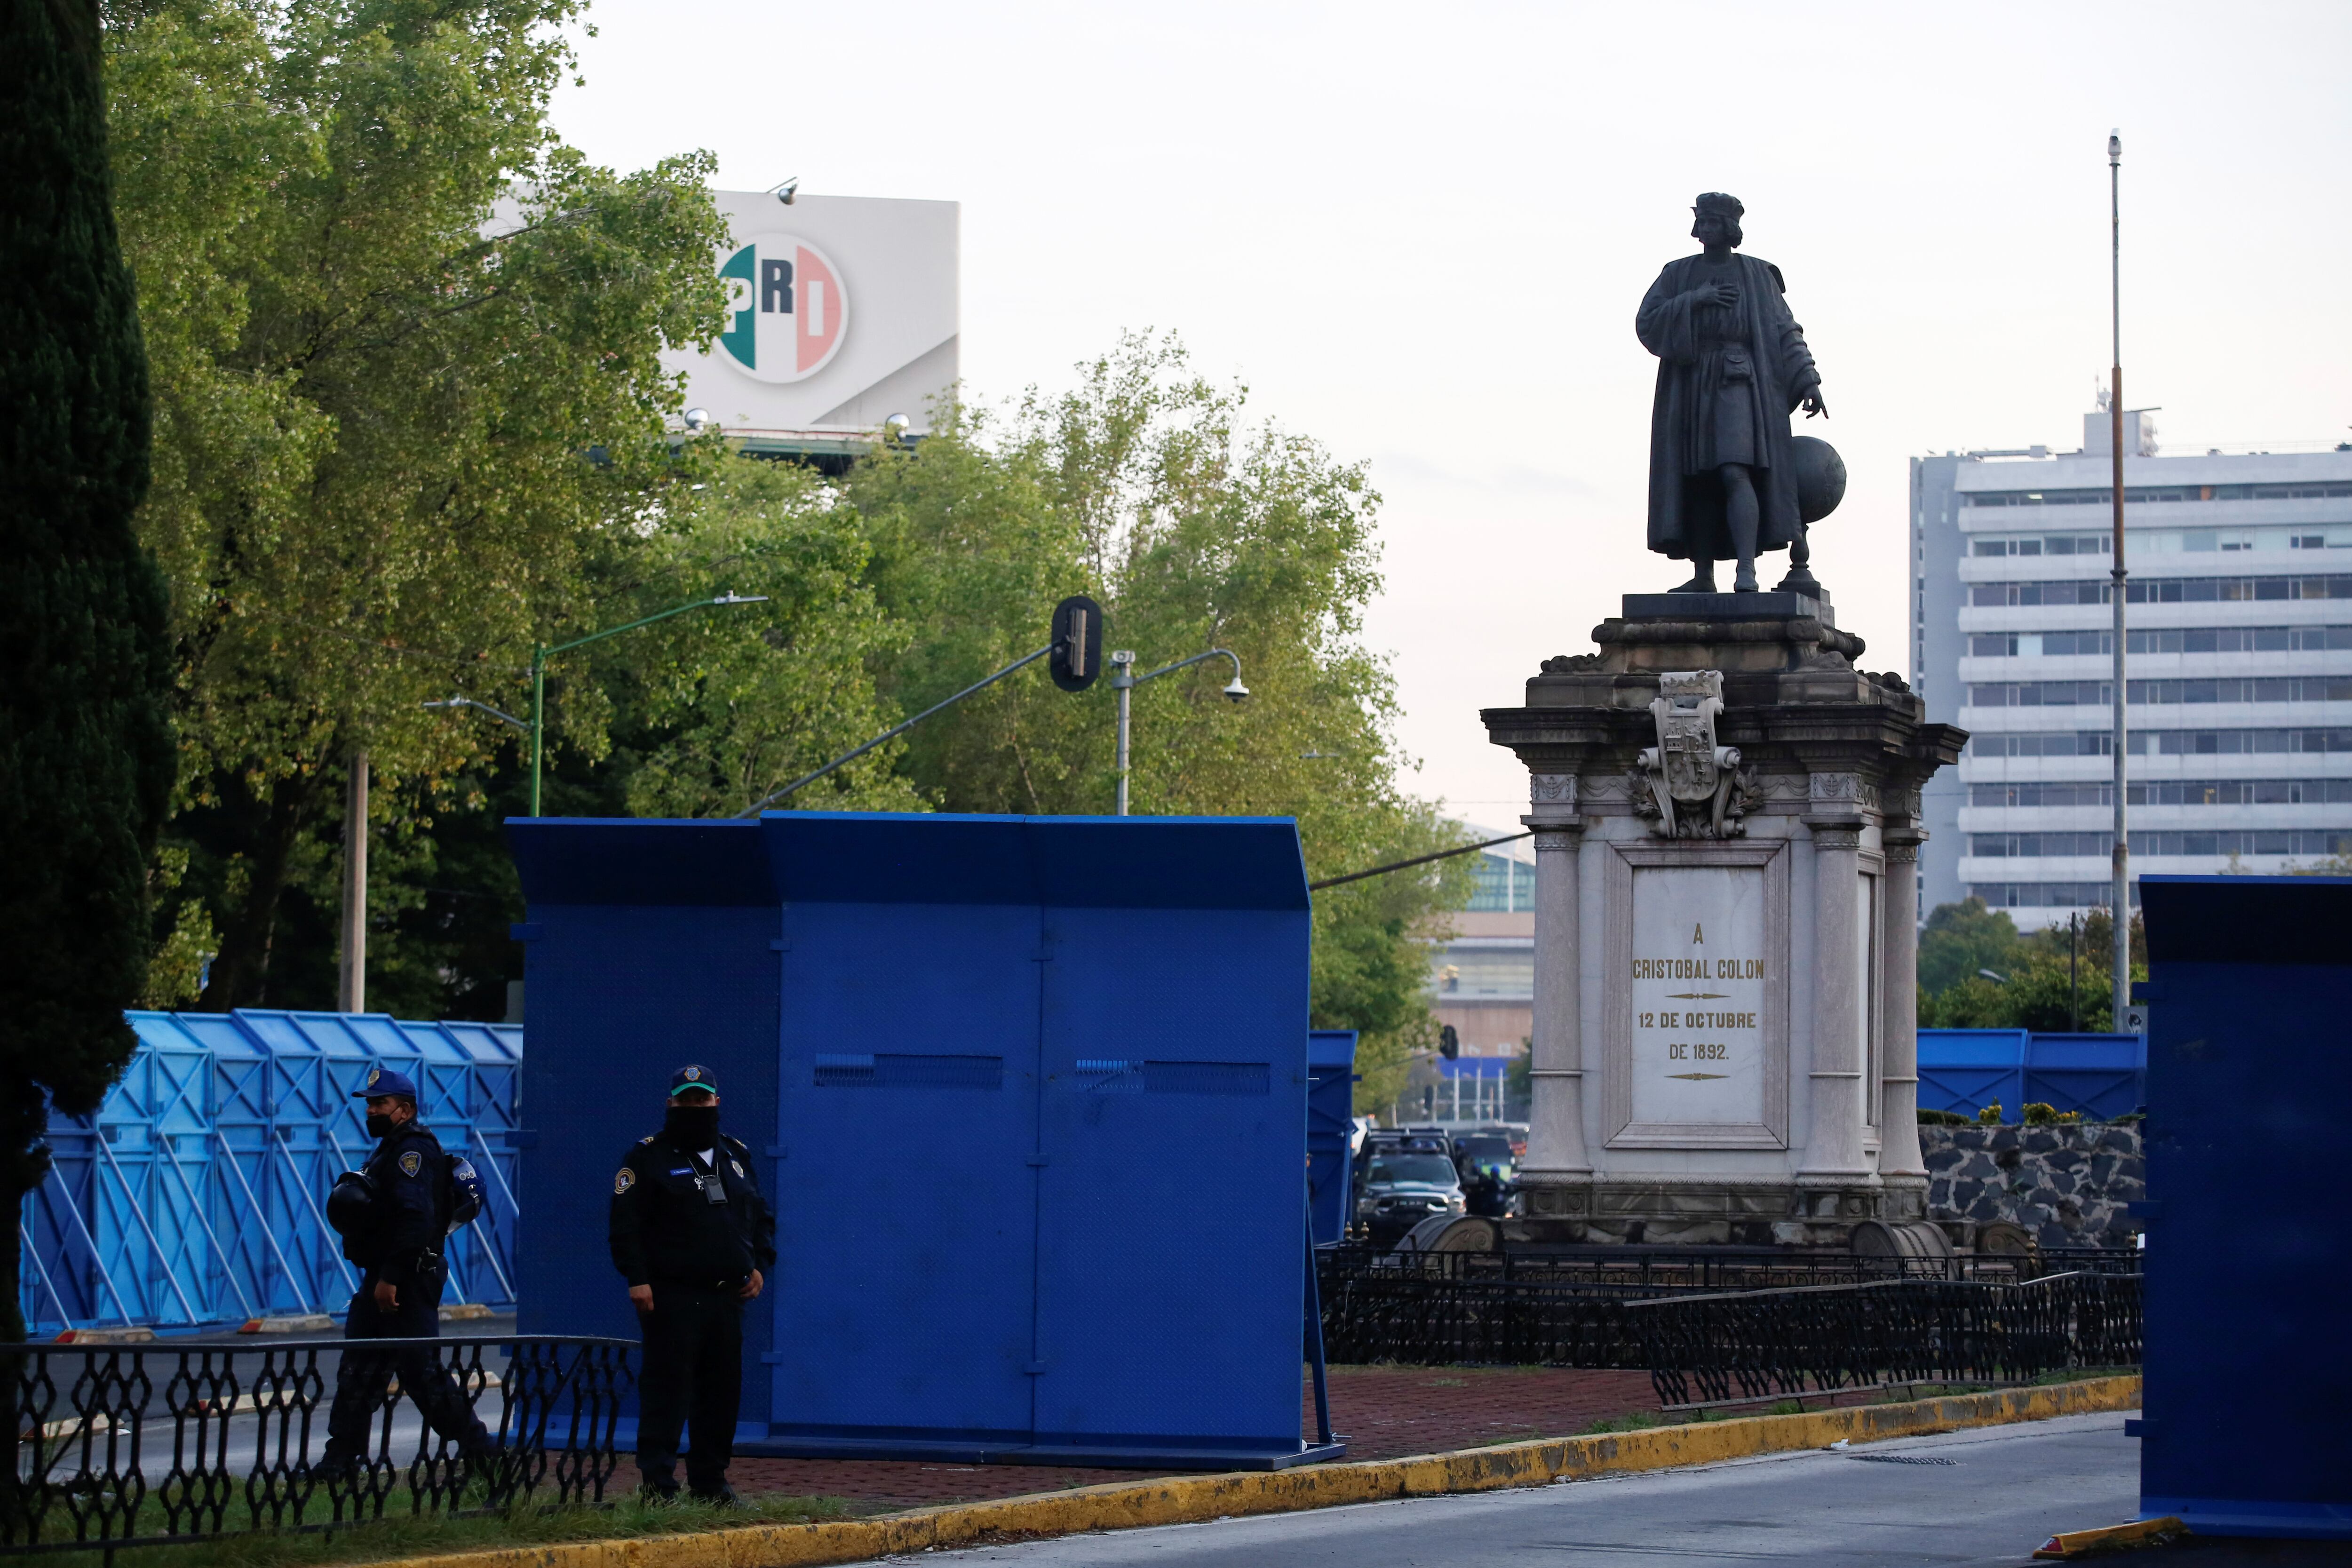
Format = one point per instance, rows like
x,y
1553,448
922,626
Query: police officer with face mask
x,y
694,1238
394,1215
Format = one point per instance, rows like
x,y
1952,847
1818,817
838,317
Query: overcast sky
x,y
1419,233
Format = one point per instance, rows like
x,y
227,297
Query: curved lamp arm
x,y
1233,689
503,718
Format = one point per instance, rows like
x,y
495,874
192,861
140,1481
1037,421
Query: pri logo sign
x,y
787,312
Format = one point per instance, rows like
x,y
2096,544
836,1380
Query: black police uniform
x,y
666,1231
403,1245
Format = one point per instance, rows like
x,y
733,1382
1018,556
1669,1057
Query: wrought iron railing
x,y
121,1446
1714,1348
1577,1309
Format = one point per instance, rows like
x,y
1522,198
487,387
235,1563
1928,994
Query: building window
x,y
1503,884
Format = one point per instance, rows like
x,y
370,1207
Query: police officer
x,y
694,1238
396,1235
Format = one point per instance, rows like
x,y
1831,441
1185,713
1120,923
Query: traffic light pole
x,y
765,800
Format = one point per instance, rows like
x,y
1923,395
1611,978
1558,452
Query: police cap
x,y
383,1081
691,1077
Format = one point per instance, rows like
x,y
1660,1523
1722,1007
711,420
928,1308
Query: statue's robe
x,y
1687,508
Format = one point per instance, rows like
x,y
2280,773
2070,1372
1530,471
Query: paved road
x,y
1996,1494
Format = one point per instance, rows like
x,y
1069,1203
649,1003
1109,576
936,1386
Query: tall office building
x,y
2239,639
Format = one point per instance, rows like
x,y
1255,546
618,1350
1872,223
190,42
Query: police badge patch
x,y
624,1181
739,1168
411,1163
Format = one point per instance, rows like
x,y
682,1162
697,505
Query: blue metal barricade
x,y
195,1195
2097,1075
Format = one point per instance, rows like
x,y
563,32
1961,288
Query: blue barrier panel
x,y
1964,1070
1012,1079
2249,1252
1330,1129
193,1196
2100,1077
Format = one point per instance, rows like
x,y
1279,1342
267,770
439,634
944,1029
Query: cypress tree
x,y
86,758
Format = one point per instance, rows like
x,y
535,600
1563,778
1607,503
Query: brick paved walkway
x,y
1385,1411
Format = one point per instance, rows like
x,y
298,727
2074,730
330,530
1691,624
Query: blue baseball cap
x,y
383,1081
691,1077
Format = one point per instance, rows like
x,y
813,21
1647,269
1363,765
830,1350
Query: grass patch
x,y
402,1534
1447,1383
1635,1422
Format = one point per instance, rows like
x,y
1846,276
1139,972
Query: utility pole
x,y
351,989
2120,894
1124,680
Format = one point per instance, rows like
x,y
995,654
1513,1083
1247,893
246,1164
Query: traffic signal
x,y
1449,1043
1076,658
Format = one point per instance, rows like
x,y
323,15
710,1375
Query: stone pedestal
x,y
1726,828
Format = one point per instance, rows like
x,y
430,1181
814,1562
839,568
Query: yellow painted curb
x,y
2113,1537
1187,1499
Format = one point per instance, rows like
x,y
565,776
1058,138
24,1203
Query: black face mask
x,y
692,1126
380,1124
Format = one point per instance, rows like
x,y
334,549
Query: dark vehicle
x,y
1490,1169
1403,1185
1515,1132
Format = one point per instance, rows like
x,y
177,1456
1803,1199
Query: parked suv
x,y
1404,1184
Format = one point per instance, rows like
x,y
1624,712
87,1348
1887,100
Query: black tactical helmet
x,y
350,1203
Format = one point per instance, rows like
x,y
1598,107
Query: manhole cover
x,y
1900,1460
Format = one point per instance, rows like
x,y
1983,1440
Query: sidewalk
x,y
1385,1411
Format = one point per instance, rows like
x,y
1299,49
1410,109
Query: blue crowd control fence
x,y
1331,1130
1963,1070
194,1194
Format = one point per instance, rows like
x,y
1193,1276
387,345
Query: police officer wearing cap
x,y
695,1240
393,1215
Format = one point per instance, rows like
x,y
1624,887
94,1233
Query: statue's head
x,y
1716,216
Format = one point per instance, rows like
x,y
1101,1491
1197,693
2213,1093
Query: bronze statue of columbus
x,y
1732,367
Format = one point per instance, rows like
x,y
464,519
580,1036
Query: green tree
x,y
407,419
85,747
2043,987
1961,938
1144,486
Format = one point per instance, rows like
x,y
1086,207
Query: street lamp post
x,y
2120,998
542,653
1124,680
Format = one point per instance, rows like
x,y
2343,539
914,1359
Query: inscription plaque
x,y
1695,995
1697,972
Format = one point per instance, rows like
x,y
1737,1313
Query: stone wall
x,y
2066,1186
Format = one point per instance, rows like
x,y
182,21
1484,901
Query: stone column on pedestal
x,y
1835,1157
1901,1165
1558,1169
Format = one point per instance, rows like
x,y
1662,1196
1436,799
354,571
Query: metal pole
x,y
2120,893
538,718
1122,681
353,988
539,655
755,807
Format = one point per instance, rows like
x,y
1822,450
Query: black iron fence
x,y
117,1446
1718,1347
1733,1323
